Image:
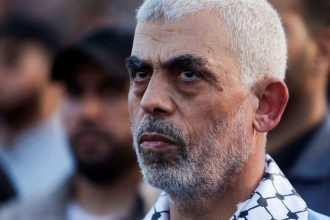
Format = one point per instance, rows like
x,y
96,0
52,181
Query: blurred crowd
x,y
74,17
65,140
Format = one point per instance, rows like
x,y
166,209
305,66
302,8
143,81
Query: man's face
x,y
190,113
96,117
24,71
301,48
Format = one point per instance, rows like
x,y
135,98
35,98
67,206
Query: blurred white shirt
x,y
75,212
39,159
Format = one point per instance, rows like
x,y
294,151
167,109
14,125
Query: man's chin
x,y
156,159
155,174
174,181
104,168
98,173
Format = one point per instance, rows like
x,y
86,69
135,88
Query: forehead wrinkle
x,y
152,36
159,33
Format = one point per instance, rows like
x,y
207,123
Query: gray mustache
x,y
158,125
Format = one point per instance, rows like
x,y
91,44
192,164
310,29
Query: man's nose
x,y
156,98
92,108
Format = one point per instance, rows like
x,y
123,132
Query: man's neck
x,y
223,205
117,197
300,117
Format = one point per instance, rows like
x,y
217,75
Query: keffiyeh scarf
x,y
274,198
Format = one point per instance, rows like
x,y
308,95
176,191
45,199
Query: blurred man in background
x,y
106,185
33,152
74,17
301,142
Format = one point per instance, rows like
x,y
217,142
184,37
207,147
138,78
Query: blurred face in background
x,y
96,117
24,72
302,49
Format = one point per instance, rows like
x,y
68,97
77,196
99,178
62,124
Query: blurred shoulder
x,y
49,206
18,209
312,215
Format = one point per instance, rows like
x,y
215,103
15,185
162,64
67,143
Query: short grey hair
x,y
257,35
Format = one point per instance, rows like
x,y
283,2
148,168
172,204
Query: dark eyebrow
x,y
190,61
184,60
135,62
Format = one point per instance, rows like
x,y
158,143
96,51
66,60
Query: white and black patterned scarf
x,y
274,198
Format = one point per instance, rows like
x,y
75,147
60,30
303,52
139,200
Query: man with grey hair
x,y
206,86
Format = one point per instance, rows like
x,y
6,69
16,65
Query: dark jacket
x,y
310,175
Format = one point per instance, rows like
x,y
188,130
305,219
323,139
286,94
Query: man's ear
x,y
273,96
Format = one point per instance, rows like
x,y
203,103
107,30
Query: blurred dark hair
x,y
106,47
23,28
316,14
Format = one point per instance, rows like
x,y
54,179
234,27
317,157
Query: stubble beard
x,y
108,167
204,168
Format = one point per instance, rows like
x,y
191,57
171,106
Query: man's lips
x,y
156,141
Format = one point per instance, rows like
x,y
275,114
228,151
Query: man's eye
x,y
141,76
188,75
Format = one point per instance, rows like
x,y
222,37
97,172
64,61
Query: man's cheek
x,y
70,121
134,116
